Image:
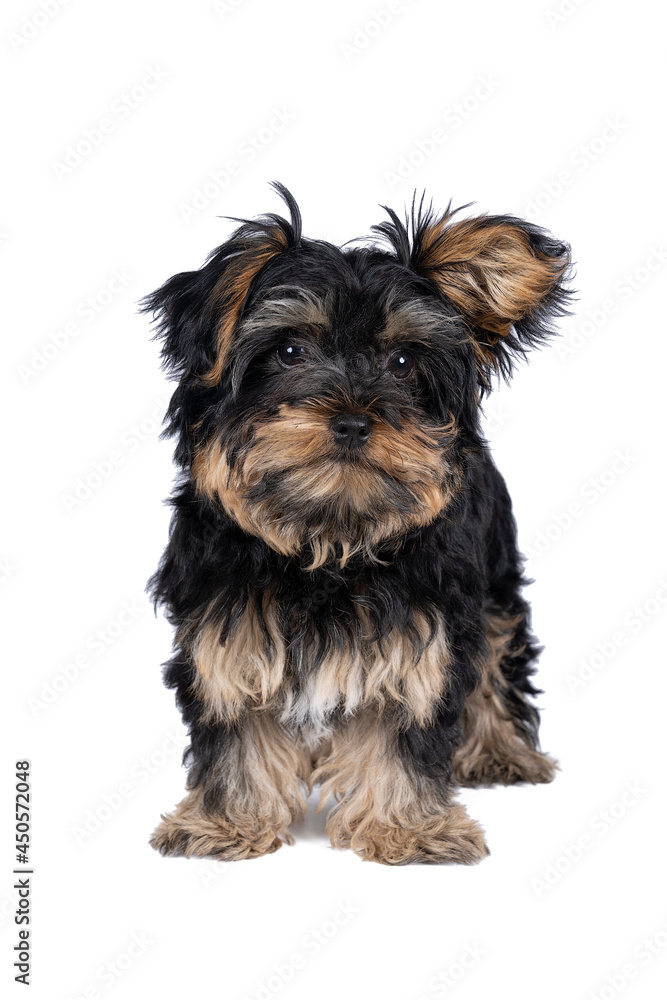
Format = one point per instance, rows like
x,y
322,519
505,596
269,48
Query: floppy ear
x,y
198,311
506,277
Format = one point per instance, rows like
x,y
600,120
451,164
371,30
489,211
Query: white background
x,y
520,95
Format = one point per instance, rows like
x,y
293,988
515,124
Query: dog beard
x,y
290,484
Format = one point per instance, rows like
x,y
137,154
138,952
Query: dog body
x,y
342,569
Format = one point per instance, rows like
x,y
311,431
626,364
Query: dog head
x,y
327,396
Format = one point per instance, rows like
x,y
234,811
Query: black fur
x,y
457,568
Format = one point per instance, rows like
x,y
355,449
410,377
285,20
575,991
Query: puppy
x,y
342,569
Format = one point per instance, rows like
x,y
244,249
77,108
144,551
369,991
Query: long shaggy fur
x,y
348,609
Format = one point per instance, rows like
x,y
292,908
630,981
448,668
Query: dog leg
x,y
387,811
242,806
500,743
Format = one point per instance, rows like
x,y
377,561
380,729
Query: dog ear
x,y
505,276
196,312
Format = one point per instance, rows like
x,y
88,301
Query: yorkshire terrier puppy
x,y
342,569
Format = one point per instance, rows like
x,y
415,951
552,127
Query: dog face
x,y
327,396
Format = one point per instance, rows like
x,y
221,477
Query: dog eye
x,y
401,364
290,355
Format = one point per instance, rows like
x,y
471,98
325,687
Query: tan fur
x,y
214,478
249,671
231,291
392,671
494,750
244,671
298,442
384,813
265,782
489,271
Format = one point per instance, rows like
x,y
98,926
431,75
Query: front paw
x,y
191,832
448,838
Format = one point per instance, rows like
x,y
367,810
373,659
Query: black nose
x,y
351,429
